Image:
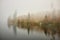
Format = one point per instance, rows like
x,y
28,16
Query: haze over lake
x,y
8,7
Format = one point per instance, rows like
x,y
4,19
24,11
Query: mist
x,y
8,7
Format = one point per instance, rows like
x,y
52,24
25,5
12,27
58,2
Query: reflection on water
x,y
7,33
28,28
22,34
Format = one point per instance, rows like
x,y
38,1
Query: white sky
x,y
25,6
8,7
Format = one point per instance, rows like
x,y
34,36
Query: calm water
x,y
6,33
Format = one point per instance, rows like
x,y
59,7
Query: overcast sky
x,y
24,6
8,7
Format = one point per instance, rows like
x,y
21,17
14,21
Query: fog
x,y
8,7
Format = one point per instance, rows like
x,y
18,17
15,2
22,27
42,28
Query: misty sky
x,y
25,6
8,7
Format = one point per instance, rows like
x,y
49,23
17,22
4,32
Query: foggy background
x,y
8,7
